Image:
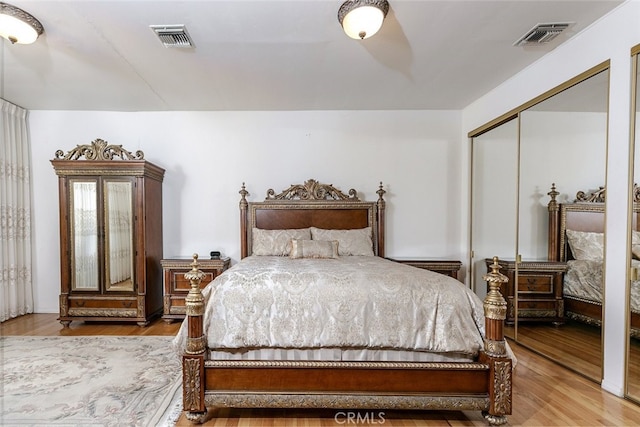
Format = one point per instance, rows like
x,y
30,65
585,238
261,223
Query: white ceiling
x,y
275,54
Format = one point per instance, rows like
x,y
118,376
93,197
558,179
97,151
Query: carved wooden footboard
x,y
483,385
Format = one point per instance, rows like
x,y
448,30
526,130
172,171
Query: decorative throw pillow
x,y
314,249
586,245
350,242
275,242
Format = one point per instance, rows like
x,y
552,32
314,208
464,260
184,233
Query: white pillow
x,y
350,242
586,245
314,249
275,242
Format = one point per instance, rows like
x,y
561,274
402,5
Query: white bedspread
x,y
350,302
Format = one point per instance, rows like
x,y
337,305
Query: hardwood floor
x,y
544,393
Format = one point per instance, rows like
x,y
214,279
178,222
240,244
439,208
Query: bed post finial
x,y
194,305
380,212
244,193
495,311
554,220
553,194
244,206
381,192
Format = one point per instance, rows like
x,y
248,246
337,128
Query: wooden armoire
x,y
110,234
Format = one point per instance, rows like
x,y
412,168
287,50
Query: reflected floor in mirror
x,y
576,345
634,369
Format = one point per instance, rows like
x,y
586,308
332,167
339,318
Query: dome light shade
x,y
361,19
18,26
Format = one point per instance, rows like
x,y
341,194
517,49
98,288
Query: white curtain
x,y
16,291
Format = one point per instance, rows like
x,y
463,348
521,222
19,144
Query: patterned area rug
x,y
89,381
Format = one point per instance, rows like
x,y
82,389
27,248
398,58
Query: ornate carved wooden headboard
x,y
311,204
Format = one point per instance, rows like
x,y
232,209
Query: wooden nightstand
x,y
446,267
539,291
176,287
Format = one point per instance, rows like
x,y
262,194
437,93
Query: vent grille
x,y
173,35
542,33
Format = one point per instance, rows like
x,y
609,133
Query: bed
x,y
576,236
298,353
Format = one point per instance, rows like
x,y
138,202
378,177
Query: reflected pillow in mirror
x,y
635,244
314,249
275,242
350,242
586,245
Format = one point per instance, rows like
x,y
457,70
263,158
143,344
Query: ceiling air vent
x,y
172,35
542,33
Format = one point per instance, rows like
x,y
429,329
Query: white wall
x,y
611,38
208,155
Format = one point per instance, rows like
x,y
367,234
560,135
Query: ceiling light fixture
x,y
18,26
361,19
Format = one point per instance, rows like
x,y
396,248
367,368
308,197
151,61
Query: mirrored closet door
x,y
494,181
559,161
563,141
633,357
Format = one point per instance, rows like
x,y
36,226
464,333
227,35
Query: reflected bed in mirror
x,y
576,236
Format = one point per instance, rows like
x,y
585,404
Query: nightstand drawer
x,y
537,304
535,283
538,310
